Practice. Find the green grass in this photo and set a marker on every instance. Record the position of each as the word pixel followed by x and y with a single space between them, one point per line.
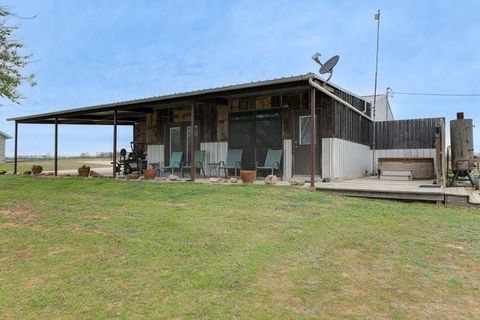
pixel 83 248
pixel 63 164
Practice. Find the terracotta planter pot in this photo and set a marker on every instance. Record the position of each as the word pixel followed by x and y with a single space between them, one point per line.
pixel 248 176
pixel 37 169
pixel 83 172
pixel 149 174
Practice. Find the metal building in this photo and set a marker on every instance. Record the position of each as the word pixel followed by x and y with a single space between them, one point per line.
pixel 324 131
pixel 3 138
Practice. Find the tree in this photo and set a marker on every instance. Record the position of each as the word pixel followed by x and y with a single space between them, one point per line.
pixel 12 62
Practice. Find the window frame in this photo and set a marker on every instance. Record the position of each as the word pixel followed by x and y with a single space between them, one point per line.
pixel 300 127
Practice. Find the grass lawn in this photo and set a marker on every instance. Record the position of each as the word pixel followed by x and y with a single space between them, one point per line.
pixel 63 164
pixel 83 248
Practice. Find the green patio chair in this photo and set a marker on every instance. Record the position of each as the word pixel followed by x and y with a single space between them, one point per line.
pixel 174 163
pixel 199 158
pixel 234 161
pixel 272 162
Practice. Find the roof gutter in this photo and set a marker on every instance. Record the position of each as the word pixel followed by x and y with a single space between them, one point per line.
pixel 331 95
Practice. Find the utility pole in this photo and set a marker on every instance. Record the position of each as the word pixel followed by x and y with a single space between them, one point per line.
pixel 376 17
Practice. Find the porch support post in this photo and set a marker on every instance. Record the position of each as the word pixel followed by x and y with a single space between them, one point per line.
pixel 114 154
pixel 312 137
pixel 192 142
pixel 15 159
pixel 55 159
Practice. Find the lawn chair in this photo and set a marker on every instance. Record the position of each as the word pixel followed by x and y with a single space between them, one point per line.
pixel 174 163
pixel 234 161
pixel 272 162
pixel 199 157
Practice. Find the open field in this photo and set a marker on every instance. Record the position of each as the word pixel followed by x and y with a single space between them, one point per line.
pixel 85 248
pixel 63 164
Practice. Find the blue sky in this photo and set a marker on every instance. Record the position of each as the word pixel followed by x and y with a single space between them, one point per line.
pixel 91 52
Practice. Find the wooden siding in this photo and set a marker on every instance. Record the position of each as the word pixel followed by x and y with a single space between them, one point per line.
pixel 358 103
pixel 140 132
pixel 349 125
pixel 222 123
pixel 208 123
pixel 335 120
pixel 407 134
pixel 338 121
pixel 323 103
pixel 181 115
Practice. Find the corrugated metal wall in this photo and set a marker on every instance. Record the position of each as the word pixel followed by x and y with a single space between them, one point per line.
pixel 287 159
pixel 342 159
pixel 2 150
pixel 214 152
pixel 155 153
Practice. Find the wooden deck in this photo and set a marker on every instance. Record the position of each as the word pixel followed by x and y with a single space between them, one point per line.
pixel 368 187
pixel 417 190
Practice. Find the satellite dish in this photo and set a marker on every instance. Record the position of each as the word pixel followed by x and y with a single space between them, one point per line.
pixel 328 66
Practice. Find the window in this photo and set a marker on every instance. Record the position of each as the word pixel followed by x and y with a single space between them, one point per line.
pixel 175 140
pixel 304 126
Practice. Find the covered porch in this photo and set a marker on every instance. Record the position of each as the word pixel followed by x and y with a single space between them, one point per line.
pixel 298 115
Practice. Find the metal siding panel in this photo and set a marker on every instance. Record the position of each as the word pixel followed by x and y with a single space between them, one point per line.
pixel 326 157
pixel 2 150
pixel 342 159
pixel 287 159
pixel 155 153
pixel 214 152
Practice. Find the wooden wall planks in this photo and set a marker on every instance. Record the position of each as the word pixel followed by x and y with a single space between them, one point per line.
pixel 407 134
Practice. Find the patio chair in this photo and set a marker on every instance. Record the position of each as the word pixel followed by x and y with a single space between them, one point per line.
pixel 234 161
pixel 199 158
pixel 174 163
pixel 272 162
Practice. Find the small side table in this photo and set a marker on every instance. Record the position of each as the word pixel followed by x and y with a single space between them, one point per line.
pixel 213 166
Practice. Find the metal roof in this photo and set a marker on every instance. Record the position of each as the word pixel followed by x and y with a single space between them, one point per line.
pixel 127 108
pixel 5 135
pixel 369 98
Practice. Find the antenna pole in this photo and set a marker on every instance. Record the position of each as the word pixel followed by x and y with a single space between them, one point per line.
pixel 376 17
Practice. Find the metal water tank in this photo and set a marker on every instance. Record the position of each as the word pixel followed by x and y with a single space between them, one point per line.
pixel 461 140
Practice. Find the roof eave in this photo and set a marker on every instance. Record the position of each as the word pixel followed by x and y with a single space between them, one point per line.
pixel 159 99
pixel 6 136
pixel 192 95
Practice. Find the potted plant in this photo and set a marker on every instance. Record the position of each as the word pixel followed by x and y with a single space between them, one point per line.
pixel 149 174
pixel 84 171
pixel 37 169
pixel 248 176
